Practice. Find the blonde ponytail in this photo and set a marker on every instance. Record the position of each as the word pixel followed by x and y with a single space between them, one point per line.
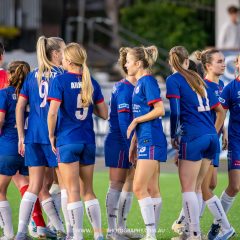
pixel 177 56
pixel 147 55
pixel 77 55
pixel 45 47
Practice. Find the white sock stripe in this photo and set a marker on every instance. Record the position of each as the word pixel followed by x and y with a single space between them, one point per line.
pixel 4 204
pixel 91 203
pixel 157 201
pixel 64 193
pixel 46 201
pixel 74 205
pixel 145 201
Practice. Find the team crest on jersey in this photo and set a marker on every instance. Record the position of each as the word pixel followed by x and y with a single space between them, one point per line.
pixel 137 89
pixel 14 96
pixel 143 149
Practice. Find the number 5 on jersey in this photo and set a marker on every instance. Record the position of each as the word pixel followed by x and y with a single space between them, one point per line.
pixel 81 112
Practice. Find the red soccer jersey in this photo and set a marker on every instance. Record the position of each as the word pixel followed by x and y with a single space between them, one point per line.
pixel 3 79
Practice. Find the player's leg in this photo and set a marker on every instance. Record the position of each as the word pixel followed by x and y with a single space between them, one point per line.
pixel 5 210
pixel 145 171
pixel 91 202
pixel 68 164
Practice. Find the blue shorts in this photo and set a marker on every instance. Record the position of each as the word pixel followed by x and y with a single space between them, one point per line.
pixel 82 153
pixel 37 155
pixel 152 152
pixel 9 165
pixel 116 155
pixel 215 161
pixel 196 148
pixel 233 159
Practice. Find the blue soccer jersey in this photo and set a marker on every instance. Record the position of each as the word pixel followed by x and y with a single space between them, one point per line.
pixel 217 89
pixel 8 135
pixel 146 93
pixel 120 115
pixel 36 94
pixel 195 114
pixel 230 99
pixel 75 123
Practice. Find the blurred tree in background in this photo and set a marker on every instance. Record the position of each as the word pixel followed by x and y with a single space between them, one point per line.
pixel 167 23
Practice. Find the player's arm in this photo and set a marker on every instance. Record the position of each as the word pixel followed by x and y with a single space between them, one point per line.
pixel 174 120
pixel 101 110
pixel 124 120
pixel 20 109
pixel 224 138
pixel 2 119
pixel 52 120
pixel 221 115
pixel 156 112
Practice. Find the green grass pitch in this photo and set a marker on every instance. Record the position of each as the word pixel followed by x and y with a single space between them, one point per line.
pixel 171 196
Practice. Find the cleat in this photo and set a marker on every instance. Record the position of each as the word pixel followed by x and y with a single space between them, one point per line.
pixel 178 228
pixel 183 236
pixel 32 229
pixel 149 238
pixel 22 236
pixel 226 235
pixel 45 232
pixel 100 238
pixel 115 236
pixel 129 234
pixel 195 238
pixel 61 235
pixel 214 231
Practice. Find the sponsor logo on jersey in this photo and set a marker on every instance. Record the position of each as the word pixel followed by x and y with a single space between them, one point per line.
pixel 136 108
pixel 143 149
pixel 123 105
pixel 221 100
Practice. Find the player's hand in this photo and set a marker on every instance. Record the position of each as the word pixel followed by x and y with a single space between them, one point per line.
pixel 175 143
pixel 133 150
pixel 176 160
pixel 21 147
pixel 133 156
pixel 53 144
pixel 224 141
pixel 131 127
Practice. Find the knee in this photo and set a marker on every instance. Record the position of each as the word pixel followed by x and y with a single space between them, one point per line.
pixel 87 194
pixel 117 185
pixel 34 188
pixel 139 190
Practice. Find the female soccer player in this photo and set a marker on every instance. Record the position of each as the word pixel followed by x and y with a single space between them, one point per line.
pixel 119 195
pixel 36 145
pixel 77 96
pixel 213 64
pixel 10 161
pixel 149 137
pixel 199 142
pixel 230 100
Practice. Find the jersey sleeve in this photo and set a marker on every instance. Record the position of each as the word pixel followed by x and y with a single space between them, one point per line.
pixel 213 99
pixel 173 88
pixel 225 97
pixel 3 101
pixel 152 91
pixel 97 94
pixel 174 116
pixel 56 91
pixel 25 88
pixel 124 102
